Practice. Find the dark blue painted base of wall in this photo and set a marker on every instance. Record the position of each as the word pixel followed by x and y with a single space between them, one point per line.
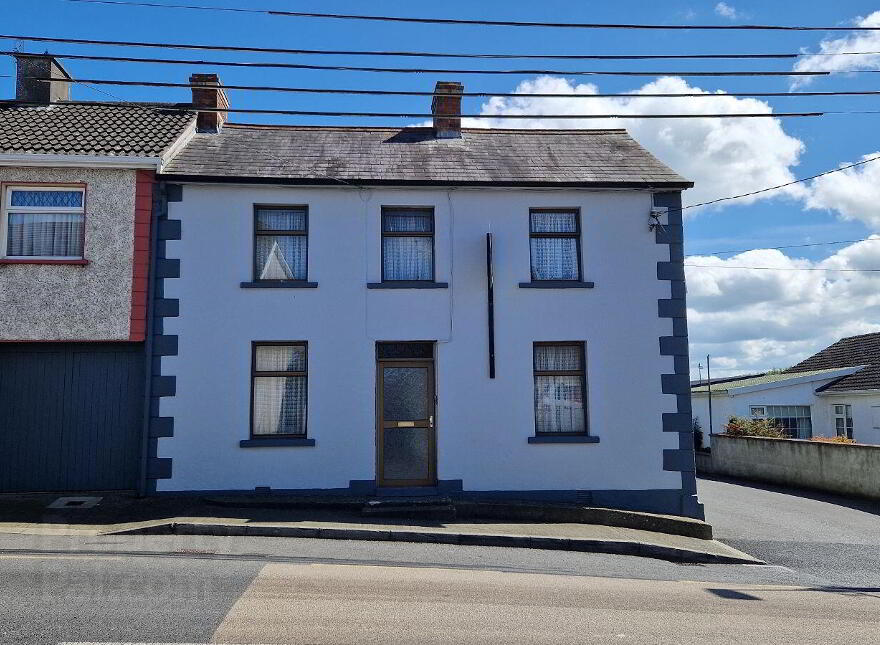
pixel 664 501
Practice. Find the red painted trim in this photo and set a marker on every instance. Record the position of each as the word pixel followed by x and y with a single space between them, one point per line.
pixel 143 211
pixel 64 340
pixel 81 263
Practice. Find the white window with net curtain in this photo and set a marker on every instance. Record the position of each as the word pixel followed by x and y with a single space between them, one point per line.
pixel 560 388
pixel 43 222
pixel 281 243
pixel 555 244
pixel 279 390
pixel 407 244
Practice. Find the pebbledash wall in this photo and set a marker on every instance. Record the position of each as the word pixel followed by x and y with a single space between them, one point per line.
pixel 104 300
pixel 632 322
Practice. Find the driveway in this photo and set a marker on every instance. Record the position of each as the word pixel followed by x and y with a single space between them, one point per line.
pixel 830 540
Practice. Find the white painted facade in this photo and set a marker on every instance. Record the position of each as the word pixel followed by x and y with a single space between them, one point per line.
pixel 797 391
pixel 482 424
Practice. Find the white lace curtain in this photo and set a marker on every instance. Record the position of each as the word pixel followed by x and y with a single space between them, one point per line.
pixel 44 235
pixel 406 257
pixel 554 258
pixel 281 257
pixel 559 399
pixel 280 401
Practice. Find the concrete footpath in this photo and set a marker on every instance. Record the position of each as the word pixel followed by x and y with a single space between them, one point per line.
pixel 120 515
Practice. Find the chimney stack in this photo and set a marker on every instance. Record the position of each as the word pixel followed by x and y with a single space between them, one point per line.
pixel 207 92
pixel 32 67
pixel 446 108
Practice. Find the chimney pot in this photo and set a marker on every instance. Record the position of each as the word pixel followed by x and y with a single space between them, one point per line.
pixel 446 109
pixel 30 68
pixel 207 92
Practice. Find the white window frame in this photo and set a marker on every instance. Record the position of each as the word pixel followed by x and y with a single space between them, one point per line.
pixel 845 415
pixel 761 415
pixel 7 207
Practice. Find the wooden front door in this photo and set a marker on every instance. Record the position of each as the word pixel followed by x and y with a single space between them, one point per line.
pixel 406 438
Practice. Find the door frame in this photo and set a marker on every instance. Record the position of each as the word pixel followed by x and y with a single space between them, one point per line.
pixel 428 363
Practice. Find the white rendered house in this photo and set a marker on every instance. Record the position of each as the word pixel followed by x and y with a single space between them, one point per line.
pixel 833 393
pixel 422 310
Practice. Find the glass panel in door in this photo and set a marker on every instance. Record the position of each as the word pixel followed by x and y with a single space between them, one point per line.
pixel 406 424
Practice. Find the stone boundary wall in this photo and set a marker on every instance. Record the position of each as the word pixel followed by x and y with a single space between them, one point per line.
pixel 847 469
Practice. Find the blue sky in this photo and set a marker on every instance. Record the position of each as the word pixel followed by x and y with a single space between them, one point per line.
pixel 826 142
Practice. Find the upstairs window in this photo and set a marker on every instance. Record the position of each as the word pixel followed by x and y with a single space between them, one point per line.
pixel 281 243
pixel 407 244
pixel 43 222
pixel 555 244
pixel 560 389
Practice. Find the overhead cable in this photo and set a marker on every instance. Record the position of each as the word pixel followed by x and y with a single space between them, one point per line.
pixel 419 70
pixel 770 188
pixel 791 246
pixel 316 90
pixel 422 54
pixel 461 21
pixel 712 266
pixel 423 115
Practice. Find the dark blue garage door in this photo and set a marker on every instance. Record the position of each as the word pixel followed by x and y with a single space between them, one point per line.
pixel 70 416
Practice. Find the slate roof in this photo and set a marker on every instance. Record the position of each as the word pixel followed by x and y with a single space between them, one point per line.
pixel 136 131
pixel 848 352
pixel 318 155
pixel 763 379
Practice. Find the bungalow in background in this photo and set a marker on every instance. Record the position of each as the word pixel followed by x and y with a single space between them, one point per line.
pixel 833 393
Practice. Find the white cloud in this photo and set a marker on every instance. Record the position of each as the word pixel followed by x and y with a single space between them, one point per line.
pixel 853 193
pixel 754 320
pixel 831 57
pixel 722 156
pixel 726 11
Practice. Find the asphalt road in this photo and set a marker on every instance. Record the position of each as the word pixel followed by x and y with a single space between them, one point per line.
pixel 825 539
pixel 821 586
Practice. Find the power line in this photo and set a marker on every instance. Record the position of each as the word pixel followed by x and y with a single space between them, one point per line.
pixel 315 90
pixel 419 70
pixel 423 54
pixel 459 21
pixel 790 183
pixel 792 246
pixel 710 266
pixel 423 115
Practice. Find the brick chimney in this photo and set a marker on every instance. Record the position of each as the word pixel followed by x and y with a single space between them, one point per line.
pixel 32 67
pixel 446 108
pixel 207 92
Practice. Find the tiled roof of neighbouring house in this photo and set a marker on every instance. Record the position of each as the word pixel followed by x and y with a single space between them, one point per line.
pixel 335 155
pixel 135 131
pixel 848 352
pixel 770 377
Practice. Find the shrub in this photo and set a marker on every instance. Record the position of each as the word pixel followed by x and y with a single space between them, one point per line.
pixel 833 439
pixel 698 435
pixel 740 427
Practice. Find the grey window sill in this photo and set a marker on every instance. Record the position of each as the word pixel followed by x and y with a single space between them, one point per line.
pixel 280 284
pixel 271 443
pixel 569 438
pixel 556 284
pixel 408 284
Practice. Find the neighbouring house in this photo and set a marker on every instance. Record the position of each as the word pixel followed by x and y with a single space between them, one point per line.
pixel 77 187
pixel 421 310
pixel 833 393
